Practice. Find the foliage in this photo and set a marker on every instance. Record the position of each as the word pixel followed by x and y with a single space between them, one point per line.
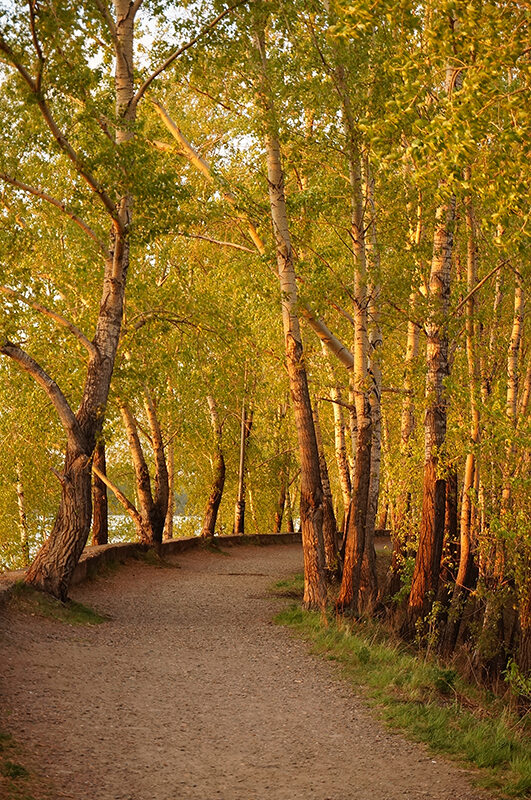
pixel 438 97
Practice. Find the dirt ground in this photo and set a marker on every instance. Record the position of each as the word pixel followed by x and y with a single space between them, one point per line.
pixel 190 692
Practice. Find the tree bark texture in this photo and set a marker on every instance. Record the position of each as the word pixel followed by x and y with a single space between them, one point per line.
pixel 170 512
pixel 311 501
pixel 100 516
pixel 369 576
pixel 341 452
pixel 151 520
pixel 246 424
pixel 330 540
pixel 218 474
pixel 161 494
pixel 22 517
pixel 427 564
pixel 54 565
pixel 467 572
pixel 348 599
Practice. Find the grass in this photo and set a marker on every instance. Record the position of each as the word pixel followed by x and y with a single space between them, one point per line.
pixel 424 698
pixel 16 782
pixel 30 601
pixel 153 559
pixel 211 546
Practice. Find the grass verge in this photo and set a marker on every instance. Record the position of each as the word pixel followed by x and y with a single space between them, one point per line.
pixel 424 698
pixel 30 601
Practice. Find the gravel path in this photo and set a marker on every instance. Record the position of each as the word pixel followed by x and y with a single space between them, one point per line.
pixel 191 693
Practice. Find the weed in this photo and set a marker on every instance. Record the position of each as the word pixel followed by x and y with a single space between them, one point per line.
pixel 291 587
pixel 14 771
pixel 6 741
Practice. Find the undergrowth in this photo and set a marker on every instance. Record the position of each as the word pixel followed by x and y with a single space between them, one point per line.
pixel 423 697
pixel 30 601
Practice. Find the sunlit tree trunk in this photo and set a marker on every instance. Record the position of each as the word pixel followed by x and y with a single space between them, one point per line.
pixel 100 516
pixel 279 510
pixel 311 501
pixel 151 527
pixel 494 566
pixel 283 465
pixel 348 599
pixel 329 519
pixel 246 424
pixel 290 527
pixel 428 560
pixel 341 452
pixel 218 473
pixel 369 576
pixel 22 517
pixel 467 528
pixel 54 565
pixel 170 512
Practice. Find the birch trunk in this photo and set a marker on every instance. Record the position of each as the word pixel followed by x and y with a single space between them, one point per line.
pixel 279 510
pixel 54 565
pixel 348 598
pixel 245 433
pixel 151 527
pixel 161 494
pixel 489 646
pixel 329 519
pixel 468 529
pixel 290 527
pixel 218 474
pixel 401 523
pixel 341 453
pixel 369 578
pixel 22 517
pixel 170 512
pixel 311 501
pixel 100 517
pixel 283 462
pixel 428 560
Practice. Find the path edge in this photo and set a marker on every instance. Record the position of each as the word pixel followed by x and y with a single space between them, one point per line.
pixel 95 557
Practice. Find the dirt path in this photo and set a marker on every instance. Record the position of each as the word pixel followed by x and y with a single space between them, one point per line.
pixel 190 693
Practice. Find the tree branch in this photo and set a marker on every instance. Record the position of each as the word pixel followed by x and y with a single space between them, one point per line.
pixel 147 83
pixel 65 323
pixel 136 5
pixel 42 195
pixel 327 337
pixel 36 43
pixel 61 405
pixel 216 241
pixel 58 135
pixel 204 167
pixel 479 285
pixel 104 11
pixel 120 496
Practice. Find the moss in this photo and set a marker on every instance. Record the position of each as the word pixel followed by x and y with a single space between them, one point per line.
pixel 30 601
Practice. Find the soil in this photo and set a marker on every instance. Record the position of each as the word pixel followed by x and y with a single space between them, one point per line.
pixel 190 692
